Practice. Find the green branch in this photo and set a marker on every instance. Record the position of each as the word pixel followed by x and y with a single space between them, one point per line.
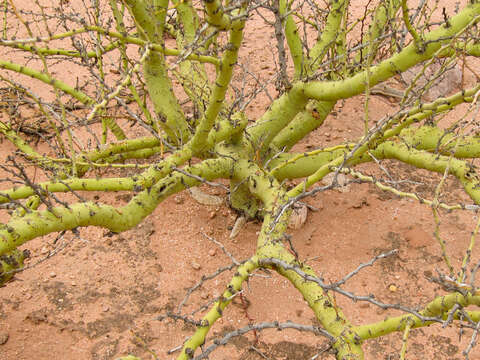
pixel 319 164
pixel 316 111
pixel 57 84
pixel 159 84
pixel 305 164
pixel 123 38
pixel 216 312
pixel 40 160
pixel 417 39
pixel 62 52
pixel 398 63
pixel 120 26
pixel 108 184
pixel 348 342
pixel 216 16
pixel 293 39
pixel 269 245
pixel 148 18
pixel 384 15
pixel 328 35
pixel 437 308
pixel 38 223
pixel 463 171
pixel 281 112
pixel 222 81
pixel 303 124
pixel 10 263
pixel 193 77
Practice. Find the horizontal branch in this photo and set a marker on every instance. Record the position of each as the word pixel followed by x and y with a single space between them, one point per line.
pixel 47 79
pixel 439 307
pixel 122 38
pixel 46 51
pixel 398 63
pixel 105 184
pixel 305 164
pixel 462 170
pixel 323 163
pixel 38 223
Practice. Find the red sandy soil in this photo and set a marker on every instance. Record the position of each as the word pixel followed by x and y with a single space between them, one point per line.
pixel 100 295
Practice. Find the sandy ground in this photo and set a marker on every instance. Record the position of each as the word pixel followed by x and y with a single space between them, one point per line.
pixel 100 296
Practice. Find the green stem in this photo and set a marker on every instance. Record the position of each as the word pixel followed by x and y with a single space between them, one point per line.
pixel 199 141
pixel 122 37
pixel 293 39
pixel 58 84
pixel 303 124
pixel 328 35
pixel 437 308
pixel 109 184
pixel 400 62
pixel 234 286
pixel 38 223
pixel 281 112
pixel 406 19
pixel 216 16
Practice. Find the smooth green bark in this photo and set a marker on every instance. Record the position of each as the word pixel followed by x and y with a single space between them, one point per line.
pixel 21 229
pixel 398 63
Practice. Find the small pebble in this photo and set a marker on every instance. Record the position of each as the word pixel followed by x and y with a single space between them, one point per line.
pixel 105 308
pixel 52 274
pixel 195 265
pixel 392 288
pixel 204 295
pixel 44 250
pixel 74 283
pixel 212 252
pixel 212 214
